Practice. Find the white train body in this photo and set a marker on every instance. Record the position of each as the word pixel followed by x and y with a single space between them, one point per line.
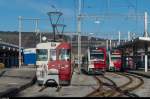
pixel 43 56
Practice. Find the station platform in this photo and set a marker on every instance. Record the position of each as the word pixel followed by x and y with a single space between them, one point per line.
pixel 141 72
pixel 13 80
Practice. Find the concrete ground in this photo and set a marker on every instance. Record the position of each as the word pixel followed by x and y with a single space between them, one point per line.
pixel 81 85
pixel 141 72
pixel 144 90
pixel 15 79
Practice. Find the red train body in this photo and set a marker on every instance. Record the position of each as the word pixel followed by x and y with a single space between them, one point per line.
pixel 115 61
pixel 62 63
pixel 94 61
pixel 54 62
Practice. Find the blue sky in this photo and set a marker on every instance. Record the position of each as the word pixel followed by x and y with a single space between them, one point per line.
pixel 108 27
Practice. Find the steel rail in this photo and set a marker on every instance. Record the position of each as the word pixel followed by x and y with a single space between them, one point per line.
pixel 98 89
pixel 141 82
pixel 122 90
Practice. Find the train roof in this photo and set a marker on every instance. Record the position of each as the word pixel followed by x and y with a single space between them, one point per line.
pixel 48 45
pixel 64 45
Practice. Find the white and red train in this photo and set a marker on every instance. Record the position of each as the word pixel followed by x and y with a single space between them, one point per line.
pixel 115 61
pixel 94 61
pixel 54 63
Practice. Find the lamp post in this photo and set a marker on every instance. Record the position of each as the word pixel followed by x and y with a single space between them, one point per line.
pixel 54 18
pixel 20 30
pixel 89 38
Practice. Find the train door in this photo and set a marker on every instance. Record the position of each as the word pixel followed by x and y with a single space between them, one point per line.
pixel 85 63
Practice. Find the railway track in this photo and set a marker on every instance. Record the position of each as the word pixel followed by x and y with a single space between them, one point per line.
pixel 98 90
pixel 114 90
pixel 127 89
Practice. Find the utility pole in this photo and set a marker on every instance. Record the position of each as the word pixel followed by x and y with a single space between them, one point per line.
pixel 107 45
pixel 146 45
pixel 40 34
pixel 145 25
pixel 128 35
pixel 79 36
pixel 40 37
pixel 36 25
pixel 110 44
pixel 20 30
pixel 119 38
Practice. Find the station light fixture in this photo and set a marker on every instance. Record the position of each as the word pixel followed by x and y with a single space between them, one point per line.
pixel 54 17
pixel 97 22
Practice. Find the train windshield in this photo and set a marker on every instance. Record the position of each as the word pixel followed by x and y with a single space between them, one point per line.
pixel 42 54
pixel 64 54
pixel 52 54
pixel 97 56
pixel 115 58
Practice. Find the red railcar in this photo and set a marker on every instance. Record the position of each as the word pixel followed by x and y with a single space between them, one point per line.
pixel 54 63
pixel 115 60
pixel 62 63
pixel 94 61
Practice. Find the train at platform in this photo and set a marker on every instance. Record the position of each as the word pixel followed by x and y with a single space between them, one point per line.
pixel 54 63
pixel 97 60
pixel 115 60
pixel 94 61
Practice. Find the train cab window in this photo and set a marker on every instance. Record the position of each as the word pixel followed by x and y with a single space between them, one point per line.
pixel 52 54
pixel 64 54
pixel 97 56
pixel 42 54
pixel 115 58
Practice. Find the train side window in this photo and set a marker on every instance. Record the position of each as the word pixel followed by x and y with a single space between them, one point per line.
pixel 52 54
pixel 42 54
pixel 65 54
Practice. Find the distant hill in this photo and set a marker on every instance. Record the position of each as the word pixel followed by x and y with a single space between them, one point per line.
pixel 30 39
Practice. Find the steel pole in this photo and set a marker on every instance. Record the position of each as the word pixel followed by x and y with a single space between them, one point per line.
pixel 36 25
pixel 119 37
pixel 128 35
pixel 54 26
pixel 40 37
pixel 110 45
pixel 145 25
pixel 107 45
pixel 79 36
pixel 20 30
